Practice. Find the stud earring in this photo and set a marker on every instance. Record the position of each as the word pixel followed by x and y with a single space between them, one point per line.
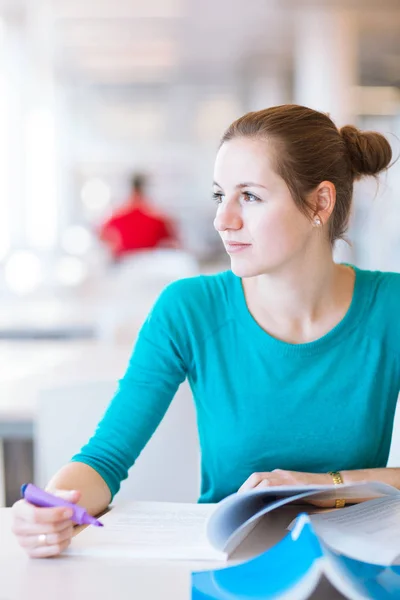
pixel 317 222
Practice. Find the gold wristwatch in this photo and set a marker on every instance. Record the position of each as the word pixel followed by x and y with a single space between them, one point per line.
pixel 337 480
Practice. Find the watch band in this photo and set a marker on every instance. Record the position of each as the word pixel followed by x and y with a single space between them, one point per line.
pixel 338 480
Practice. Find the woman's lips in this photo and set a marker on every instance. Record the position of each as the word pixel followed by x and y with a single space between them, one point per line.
pixel 233 247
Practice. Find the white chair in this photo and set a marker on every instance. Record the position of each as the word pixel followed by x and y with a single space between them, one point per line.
pixel 2 476
pixel 394 454
pixel 168 468
pixel 130 289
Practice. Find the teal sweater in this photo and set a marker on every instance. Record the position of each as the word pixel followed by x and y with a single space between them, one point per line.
pixel 261 403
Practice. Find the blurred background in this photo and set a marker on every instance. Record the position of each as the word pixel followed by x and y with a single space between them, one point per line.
pixel 94 93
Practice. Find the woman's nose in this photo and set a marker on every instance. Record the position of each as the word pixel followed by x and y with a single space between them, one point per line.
pixel 227 218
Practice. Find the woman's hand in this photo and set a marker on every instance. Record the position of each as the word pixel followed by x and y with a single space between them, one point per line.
pixel 281 477
pixel 44 532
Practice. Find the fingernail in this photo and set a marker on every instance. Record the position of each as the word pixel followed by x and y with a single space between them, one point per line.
pixel 67 514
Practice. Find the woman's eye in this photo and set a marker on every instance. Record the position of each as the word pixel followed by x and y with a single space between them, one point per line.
pixel 250 197
pixel 217 197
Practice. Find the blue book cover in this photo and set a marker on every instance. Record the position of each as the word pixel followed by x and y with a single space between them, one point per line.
pixel 292 570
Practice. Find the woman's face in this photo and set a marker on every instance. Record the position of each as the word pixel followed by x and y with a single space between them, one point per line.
pixel 257 219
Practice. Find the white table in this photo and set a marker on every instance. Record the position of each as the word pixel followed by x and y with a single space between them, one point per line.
pixel 77 578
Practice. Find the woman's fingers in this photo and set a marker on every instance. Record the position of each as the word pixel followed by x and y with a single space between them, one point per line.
pixel 47 539
pixel 69 495
pixel 253 481
pixel 264 483
pixel 271 478
pixel 48 551
pixel 33 514
pixel 44 532
pixel 21 527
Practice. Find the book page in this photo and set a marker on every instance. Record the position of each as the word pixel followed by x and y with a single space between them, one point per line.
pixel 150 530
pixel 235 516
pixel 369 532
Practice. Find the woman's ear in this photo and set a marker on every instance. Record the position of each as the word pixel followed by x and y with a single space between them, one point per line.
pixel 324 201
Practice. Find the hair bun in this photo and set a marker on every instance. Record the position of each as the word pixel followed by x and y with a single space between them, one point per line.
pixel 369 151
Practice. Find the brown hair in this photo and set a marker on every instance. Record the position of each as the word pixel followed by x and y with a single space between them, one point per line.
pixel 310 149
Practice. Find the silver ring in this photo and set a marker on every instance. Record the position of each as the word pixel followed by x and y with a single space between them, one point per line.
pixel 42 539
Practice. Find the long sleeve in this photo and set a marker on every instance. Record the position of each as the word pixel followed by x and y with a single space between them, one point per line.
pixel 261 403
pixel 157 367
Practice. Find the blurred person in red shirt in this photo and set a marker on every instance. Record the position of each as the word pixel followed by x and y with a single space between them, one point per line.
pixel 137 226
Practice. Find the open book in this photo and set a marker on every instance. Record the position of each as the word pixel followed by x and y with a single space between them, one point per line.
pixel 293 568
pixel 207 531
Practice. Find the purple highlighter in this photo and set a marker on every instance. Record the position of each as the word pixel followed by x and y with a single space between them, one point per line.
pixel 39 497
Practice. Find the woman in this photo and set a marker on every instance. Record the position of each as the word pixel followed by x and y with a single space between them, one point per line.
pixel 294 361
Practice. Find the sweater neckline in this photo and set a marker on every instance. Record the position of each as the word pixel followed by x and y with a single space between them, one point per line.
pixel 341 330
